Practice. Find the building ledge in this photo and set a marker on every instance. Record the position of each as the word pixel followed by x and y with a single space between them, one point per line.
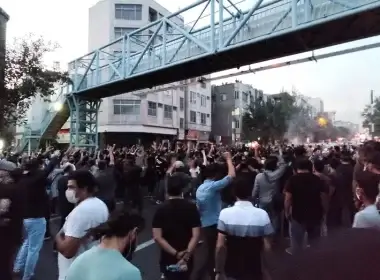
pixel 4 14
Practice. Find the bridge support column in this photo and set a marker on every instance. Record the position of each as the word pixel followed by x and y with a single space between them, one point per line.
pixel 83 122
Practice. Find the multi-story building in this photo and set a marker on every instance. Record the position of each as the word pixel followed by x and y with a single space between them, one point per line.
pixel 354 128
pixel 183 111
pixel 315 104
pixel 230 101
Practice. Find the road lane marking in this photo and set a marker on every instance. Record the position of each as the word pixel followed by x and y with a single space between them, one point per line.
pixel 144 245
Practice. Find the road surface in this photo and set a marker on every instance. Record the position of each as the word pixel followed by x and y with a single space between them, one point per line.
pixel 145 258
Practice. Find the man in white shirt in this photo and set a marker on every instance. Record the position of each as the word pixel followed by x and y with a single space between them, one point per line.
pixel 366 192
pixel 72 240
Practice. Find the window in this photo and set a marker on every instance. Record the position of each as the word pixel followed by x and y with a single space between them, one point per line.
pixel 152 109
pixel 237 124
pixel 181 103
pixel 236 94
pixel 121 31
pixel 193 97
pixel 203 85
pixel 245 97
pixel 203 118
pixel 168 112
pixel 128 11
pixel 193 117
pixel 203 101
pixel 126 107
pixel 223 97
pixel 169 29
pixel 153 15
pixel 181 123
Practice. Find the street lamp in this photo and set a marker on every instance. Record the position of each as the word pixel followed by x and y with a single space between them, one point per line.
pixel 1 144
pixel 57 106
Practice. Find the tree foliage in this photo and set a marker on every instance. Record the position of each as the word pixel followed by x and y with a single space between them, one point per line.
pixel 371 115
pixel 277 117
pixel 25 77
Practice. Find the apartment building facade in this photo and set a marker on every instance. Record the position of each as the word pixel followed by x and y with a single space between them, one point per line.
pixel 181 110
pixel 230 102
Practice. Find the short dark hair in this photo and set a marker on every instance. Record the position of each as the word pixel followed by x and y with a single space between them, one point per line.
pixel 334 163
pixel 175 185
pixel 304 164
pixel 319 165
pixel 84 179
pixel 242 188
pixel 369 182
pixel 119 224
pixel 271 163
pixel 211 171
pixel 102 164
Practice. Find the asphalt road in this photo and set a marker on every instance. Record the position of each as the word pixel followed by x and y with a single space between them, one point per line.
pixel 145 258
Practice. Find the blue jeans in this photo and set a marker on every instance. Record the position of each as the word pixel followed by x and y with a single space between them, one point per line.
pixel 29 252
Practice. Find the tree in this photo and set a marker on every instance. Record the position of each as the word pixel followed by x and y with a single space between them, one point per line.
pixel 25 77
pixel 371 115
pixel 278 116
pixel 343 132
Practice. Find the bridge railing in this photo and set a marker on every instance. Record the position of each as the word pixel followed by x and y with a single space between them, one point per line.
pixel 170 41
pixel 160 44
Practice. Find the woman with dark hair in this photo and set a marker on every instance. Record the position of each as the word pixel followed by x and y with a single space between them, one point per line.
pixel 108 260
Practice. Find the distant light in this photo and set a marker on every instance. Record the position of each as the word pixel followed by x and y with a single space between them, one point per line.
pixel 322 121
pixel 57 106
pixel 1 144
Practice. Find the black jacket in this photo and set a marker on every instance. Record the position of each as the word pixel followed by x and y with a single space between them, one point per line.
pixel 34 184
pixel 11 217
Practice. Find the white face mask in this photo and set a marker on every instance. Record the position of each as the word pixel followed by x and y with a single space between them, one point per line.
pixel 70 196
pixel 357 194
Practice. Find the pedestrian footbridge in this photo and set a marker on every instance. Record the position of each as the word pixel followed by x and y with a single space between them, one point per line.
pixel 167 51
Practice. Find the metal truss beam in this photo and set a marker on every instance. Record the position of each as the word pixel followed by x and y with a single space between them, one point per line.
pixel 102 67
pixel 246 18
pixel 191 29
pixel 83 121
pixel 221 34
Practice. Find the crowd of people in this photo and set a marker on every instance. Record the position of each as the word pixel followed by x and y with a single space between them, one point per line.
pixel 239 203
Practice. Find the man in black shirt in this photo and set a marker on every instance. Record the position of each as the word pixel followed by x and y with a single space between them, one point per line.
pixel 306 197
pixel 11 218
pixel 132 181
pixel 176 229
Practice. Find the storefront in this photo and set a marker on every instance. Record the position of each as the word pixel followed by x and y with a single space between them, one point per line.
pixel 196 135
